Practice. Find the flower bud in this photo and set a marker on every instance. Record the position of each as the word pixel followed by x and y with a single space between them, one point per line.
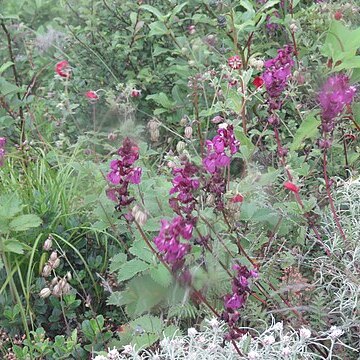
pixel 44 293
pixel 54 281
pixel 188 132
pixel 47 244
pixel 180 147
pixel 68 276
pixel 183 121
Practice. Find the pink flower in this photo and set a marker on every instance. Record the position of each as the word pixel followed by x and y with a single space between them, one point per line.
pixel 135 93
pixel 258 82
pixel 191 29
pixel 63 69
pixel 291 186
pixel 92 95
pixel 235 62
pixel 2 150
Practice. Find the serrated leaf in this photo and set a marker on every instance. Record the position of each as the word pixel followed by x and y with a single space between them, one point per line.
pixel 161 275
pixel 25 222
pixel 7 88
pixel 117 262
pixel 131 268
pixel 119 298
pixel 161 99
pixel 13 246
pixel 141 251
pixel 10 205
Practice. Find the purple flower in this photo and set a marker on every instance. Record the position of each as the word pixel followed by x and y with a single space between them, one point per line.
pixel 334 95
pixel 185 185
pixel 169 242
pixel 278 71
pixel 122 173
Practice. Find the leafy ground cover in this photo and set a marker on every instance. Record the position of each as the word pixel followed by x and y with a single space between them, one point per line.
pixel 179 179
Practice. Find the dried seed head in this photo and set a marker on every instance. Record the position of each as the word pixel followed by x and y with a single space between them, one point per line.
pixel 45 292
pixel 57 290
pixel 188 132
pixel 56 263
pixel 48 244
pixel 54 281
pixel 139 214
pixel 53 256
pixel 46 270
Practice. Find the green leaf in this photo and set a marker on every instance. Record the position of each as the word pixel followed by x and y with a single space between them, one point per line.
pixel 25 222
pixel 153 10
pixel 158 28
pixel 161 99
pixel 161 275
pixel 10 205
pixel 13 246
pixel 117 262
pixel 131 268
pixel 142 251
pixel 148 323
pixel 308 130
pixel 5 66
pixel 7 88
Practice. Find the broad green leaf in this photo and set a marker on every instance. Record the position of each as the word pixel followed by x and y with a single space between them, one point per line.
pixel 153 10
pixel 10 205
pixel 7 88
pixel 141 251
pixel 308 130
pixel 158 28
pixel 117 262
pixel 25 222
pixel 131 268
pixel 161 275
pixel 161 99
pixel 148 323
pixel 12 246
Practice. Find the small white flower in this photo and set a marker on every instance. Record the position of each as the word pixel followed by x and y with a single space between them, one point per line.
pixel 128 349
pixel 214 323
pixel 278 326
pixel 305 333
pixel 192 332
pixel 268 340
pixel 113 354
pixel 100 357
pixel 253 355
pixel 286 351
pixel 335 332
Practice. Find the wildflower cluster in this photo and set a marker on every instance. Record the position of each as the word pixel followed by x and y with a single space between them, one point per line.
pixel 334 96
pixel 219 152
pixel 185 183
pixel 236 300
pixel 169 241
pixel 276 75
pixel 2 150
pixel 123 173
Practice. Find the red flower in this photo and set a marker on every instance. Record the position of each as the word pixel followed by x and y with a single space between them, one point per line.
pixel 338 15
pixel 92 95
pixel 62 68
pixel 258 81
pixel 135 93
pixel 234 62
pixel 291 186
pixel 238 198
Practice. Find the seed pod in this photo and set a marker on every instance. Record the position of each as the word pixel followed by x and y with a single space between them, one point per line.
pixel 44 293
pixel 180 147
pixel 68 276
pixel 54 281
pixel 56 263
pixel 154 135
pixel 53 256
pixel 47 244
pixel 57 290
pixel 188 132
pixel 46 270
pixel 183 121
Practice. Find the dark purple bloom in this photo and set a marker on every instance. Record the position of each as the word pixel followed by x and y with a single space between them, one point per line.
pixel 333 97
